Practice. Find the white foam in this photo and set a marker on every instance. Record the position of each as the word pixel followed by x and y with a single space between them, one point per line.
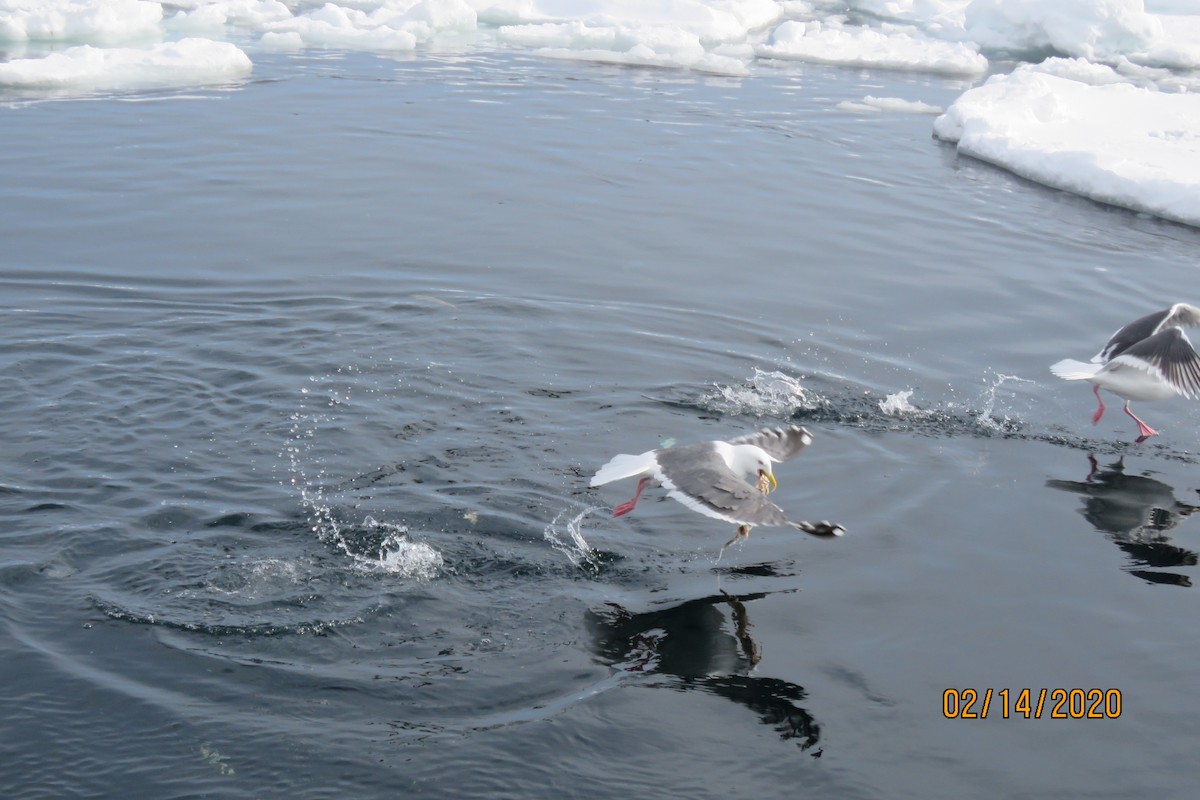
pixel 1115 143
pixel 765 394
pixel 398 555
pixel 897 405
pixel 405 558
pixel 189 62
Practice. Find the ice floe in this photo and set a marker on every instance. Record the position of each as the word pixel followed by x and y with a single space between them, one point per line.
pixel 888 47
pixel 1104 138
pixel 1098 99
pixel 188 62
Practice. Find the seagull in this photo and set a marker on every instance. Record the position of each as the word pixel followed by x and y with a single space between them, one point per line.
pixel 1149 359
pixel 709 477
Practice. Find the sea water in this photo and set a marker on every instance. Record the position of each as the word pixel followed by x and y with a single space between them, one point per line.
pixel 305 379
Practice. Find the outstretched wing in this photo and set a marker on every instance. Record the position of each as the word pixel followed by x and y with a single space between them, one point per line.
pixel 780 443
pixel 1171 356
pixel 1180 314
pixel 698 477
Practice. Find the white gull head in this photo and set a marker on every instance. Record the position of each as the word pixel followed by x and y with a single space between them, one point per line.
pixel 744 459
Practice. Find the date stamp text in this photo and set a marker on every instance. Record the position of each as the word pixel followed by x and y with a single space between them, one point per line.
pixel 1031 703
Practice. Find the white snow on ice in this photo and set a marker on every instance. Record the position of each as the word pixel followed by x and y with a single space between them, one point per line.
pixel 1111 115
pixel 888 47
pixel 875 104
pixel 186 62
pixel 1105 139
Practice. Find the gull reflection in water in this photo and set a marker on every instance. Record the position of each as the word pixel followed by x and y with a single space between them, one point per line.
pixel 691 644
pixel 1135 512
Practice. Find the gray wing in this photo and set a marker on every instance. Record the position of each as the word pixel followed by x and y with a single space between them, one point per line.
pixel 780 443
pixel 723 495
pixel 1172 355
pixel 1147 326
pixel 697 477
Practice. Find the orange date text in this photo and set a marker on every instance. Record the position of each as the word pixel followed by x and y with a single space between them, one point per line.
pixel 1031 703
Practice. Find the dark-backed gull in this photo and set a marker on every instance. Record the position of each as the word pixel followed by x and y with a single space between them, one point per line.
pixel 710 478
pixel 1149 359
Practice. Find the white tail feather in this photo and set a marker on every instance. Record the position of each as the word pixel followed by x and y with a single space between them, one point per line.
pixel 1071 370
pixel 624 466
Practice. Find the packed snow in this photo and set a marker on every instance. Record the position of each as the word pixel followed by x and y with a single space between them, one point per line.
pixel 1105 139
pixel 170 64
pixel 1094 96
pixel 888 47
pixel 873 104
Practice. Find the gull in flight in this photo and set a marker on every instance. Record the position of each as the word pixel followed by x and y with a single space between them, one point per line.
pixel 710 478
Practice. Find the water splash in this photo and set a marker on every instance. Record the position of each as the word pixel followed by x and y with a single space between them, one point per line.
pixel 897 405
pixel 397 554
pixel 371 545
pixel 765 394
pixel 302 433
pixel 567 537
pixel 987 419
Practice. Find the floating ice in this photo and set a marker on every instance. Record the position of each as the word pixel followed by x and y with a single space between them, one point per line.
pixel 643 56
pixel 189 62
pixel 709 21
pixel 890 47
pixel 1045 127
pixel 379 26
pixel 1157 32
pixel 1089 28
pixel 95 22
pixel 874 104
pixel 662 33
pixel 1114 143
pixel 213 17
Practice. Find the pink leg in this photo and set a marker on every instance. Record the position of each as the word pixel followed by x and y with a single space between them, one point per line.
pixel 1099 411
pixel 1145 430
pixel 625 508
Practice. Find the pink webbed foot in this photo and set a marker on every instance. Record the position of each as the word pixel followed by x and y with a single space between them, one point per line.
pixel 1144 430
pixel 622 509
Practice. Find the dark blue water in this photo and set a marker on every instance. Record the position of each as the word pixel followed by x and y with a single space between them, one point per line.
pixel 304 382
